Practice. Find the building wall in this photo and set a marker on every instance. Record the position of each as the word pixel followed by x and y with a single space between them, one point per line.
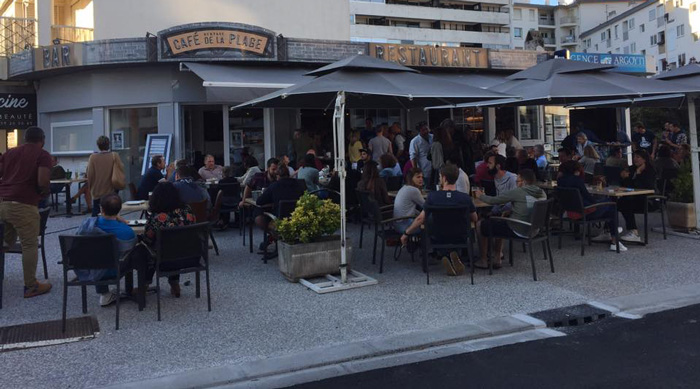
pixel 319 19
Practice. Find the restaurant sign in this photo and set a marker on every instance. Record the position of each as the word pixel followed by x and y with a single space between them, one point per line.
pixel 17 111
pixel 415 55
pixel 625 63
pixel 58 56
pixel 217 40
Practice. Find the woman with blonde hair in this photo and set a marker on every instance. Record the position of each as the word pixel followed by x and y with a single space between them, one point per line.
pixel 589 159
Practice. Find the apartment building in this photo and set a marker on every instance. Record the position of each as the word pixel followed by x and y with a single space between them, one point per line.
pixel 451 23
pixel 667 30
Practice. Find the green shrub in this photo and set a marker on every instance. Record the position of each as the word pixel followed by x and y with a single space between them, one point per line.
pixel 311 219
pixel 683 185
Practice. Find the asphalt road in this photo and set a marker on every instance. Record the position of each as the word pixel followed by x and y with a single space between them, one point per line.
pixel 661 350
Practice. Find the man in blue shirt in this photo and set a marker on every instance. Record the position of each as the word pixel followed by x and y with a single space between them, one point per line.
pixel 188 189
pixel 109 222
pixel 151 178
pixel 448 196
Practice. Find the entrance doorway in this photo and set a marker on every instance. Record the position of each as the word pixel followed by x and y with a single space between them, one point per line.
pixel 129 128
pixel 203 127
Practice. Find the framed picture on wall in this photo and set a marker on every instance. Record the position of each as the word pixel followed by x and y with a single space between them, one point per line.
pixel 117 140
pixel 525 132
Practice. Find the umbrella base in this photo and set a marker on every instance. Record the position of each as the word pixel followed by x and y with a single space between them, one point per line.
pixel 334 284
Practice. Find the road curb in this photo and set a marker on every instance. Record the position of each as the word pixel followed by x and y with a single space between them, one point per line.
pixel 637 305
pixel 340 354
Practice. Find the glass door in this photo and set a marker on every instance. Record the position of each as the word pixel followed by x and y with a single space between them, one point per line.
pixel 129 128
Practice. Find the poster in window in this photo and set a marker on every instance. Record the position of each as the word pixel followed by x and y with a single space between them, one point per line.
pixel 156 144
pixel 559 120
pixel 525 132
pixel 237 138
pixel 560 133
pixel 117 140
pixel 549 129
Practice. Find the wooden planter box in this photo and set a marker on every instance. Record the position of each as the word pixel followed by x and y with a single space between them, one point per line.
pixel 308 260
pixel 681 216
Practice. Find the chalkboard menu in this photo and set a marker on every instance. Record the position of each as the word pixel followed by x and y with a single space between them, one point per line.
pixel 156 144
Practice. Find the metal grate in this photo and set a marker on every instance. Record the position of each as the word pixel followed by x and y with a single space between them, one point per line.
pixel 575 315
pixel 47 333
pixel 16 35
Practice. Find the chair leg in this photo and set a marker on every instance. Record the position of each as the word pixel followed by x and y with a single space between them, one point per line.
pixel 471 261
pixel 544 250
pixel 381 259
pixel 206 274
pixel 118 298
pixel 489 257
pixel 646 221
pixel 362 231
pixel 510 252
pixel 83 292
pixel 524 247
pixel 551 258
pixel 663 219
pixel 197 285
pixel 158 292
pixel 213 242
pixel 590 242
pixel 374 251
pixel 583 238
pixel 425 260
pixel 43 259
pixel 65 302
pixel 561 226
pixel 532 262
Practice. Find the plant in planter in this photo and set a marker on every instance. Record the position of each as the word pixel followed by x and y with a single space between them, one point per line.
pixel 680 207
pixel 308 247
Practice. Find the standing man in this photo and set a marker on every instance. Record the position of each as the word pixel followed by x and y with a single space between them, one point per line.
pixel 100 169
pixel 368 132
pixel 211 169
pixel 398 143
pixel 24 180
pixel 643 139
pixel 153 175
pixel 676 137
pixel 419 149
pixel 380 145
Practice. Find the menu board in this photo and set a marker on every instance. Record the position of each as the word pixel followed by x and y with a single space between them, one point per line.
pixel 156 144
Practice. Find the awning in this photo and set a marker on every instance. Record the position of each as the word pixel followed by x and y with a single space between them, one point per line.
pixel 675 100
pixel 472 79
pixel 237 84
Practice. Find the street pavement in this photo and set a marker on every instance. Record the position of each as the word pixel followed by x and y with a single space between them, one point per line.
pixel 258 315
pixel 661 350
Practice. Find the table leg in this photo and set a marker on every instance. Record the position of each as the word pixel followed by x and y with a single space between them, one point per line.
pixel 250 235
pixel 646 220
pixel 69 206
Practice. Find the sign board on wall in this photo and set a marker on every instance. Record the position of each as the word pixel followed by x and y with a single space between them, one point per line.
pixel 217 40
pixel 156 144
pixel 17 110
pixel 625 63
pixel 58 56
pixel 414 55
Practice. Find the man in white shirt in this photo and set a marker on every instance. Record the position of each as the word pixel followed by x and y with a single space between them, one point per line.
pixel 379 145
pixel 419 149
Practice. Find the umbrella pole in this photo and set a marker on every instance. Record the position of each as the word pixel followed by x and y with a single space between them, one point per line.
pixel 339 142
pixel 693 132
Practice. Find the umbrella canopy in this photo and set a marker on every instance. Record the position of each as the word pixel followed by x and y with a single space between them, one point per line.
pixel 371 82
pixel 688 73
pixel 563 82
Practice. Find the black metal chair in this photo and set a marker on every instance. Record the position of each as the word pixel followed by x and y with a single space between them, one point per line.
pixel 182 250
pixel 538 232
pixel 393 183
pixel 202 214
pixel 664 187
pixel 89 252
pixel 16 248
pixel 283 210
pixel 231 198
pixel 383 225
pixel 447 228
pixel 331 194
pixel 571 201
pixel 366 216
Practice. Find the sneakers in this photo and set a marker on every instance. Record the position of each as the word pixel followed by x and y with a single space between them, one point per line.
pixel 631 236
pixel 613 247
pixel 107 298
pixel 603 237
pixel 36 290
pixel 457 263
pixel 447 263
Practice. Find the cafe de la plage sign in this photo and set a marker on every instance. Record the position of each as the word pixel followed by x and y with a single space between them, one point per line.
pixel 217 40
pixel 432 56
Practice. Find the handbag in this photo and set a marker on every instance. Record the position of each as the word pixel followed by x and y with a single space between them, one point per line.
pixel 118 176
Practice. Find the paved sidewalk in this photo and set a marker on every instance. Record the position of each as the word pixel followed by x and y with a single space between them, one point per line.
pixel 257 314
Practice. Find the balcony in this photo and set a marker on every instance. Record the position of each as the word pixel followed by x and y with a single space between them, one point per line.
pixel 568 20
pixel 546 22
pixel 71 33
pixel 568 40
pixel 549 41
pixel 17 34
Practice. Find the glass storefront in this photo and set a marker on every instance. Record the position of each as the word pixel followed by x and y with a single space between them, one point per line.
pixel 246 131
pixel 129 128
pixel 529 124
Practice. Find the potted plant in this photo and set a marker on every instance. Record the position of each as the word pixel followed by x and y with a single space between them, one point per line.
pixel 680 206
pixel 308 246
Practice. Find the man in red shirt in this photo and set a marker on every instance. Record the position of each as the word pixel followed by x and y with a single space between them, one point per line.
pixel 24 180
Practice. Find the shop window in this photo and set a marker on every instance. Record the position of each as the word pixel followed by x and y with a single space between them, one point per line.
pixel 529 123
pixel 246 131
pixel 72 137
pixel 129 128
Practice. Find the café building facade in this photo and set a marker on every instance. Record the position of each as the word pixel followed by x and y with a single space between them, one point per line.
pixel 183 80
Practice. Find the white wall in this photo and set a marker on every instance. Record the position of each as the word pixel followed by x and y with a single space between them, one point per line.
pixel 314 19
pixel 429 35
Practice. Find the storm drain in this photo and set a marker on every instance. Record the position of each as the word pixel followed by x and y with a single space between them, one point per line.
pixel 47 333
pixel 572 316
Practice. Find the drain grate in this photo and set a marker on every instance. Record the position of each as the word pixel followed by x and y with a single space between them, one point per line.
pixel 572 316
pixel 47 333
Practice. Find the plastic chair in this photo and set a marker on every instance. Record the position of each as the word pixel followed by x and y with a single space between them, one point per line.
pixel 182 250
pixel 447 228
pixel 538 232
pixel 571 201
pixel 16 248
pixel 89 252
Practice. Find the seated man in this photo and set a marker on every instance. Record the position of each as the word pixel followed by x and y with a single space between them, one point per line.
pixel 524 161
pixel 210 169
pixel 284 188
pixel 188 189
pixel 109 222
pixel 615 159
pixel 261 180
pixel 448 196
pixel 522 199
pixel 151 178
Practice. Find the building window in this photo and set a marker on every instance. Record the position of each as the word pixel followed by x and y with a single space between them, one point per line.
pixel 518 32
pixel 532 15
pixel 631 24
pixel 133 126
pixel 626 50
pixel 72 137
pixel 633 48
pixel 596 47
pixel 681 59
pixel 643 52
pixel 529 123
pixel 693 7
pixel 653 40
pixel 617 36
pixel 517 14
pixel 680 30
pixel 652 14
pixel 641 27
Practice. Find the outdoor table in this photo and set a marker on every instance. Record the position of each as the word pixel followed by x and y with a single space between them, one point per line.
pixel 615 193
pixel 129 208
pixel 249 203
pixel 477 203
pixel 67 183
